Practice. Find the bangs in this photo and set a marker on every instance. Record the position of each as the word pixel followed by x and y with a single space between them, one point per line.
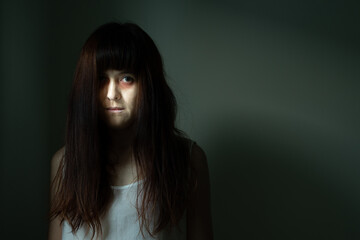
pixel 118 50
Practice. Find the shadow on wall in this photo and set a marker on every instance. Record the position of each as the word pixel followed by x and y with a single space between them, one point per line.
pixel 282 181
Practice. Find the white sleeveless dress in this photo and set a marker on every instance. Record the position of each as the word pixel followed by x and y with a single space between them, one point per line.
pixel 121 222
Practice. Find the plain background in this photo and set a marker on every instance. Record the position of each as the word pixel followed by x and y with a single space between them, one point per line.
pixel 269 89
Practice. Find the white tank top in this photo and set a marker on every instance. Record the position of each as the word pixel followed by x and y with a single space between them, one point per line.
pixel 121 221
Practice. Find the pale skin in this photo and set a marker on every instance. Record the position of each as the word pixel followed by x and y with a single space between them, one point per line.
pixel 118 101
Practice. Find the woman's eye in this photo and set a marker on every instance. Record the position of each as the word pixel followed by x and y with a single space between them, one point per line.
pixel 128 79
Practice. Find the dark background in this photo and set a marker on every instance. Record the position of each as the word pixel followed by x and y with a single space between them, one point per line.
pixel 269 89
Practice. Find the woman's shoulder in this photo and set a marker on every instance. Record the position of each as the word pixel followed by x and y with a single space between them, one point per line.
pixel 56 160
pixel 198 157
pixel 59 154
pixel 199 223
pixel 196 153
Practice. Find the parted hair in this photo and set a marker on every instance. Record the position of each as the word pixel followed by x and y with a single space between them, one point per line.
pixel 82 188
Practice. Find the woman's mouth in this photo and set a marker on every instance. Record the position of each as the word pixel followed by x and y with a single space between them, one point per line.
pixel 114 109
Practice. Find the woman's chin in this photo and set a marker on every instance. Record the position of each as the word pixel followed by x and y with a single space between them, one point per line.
pixel 119 125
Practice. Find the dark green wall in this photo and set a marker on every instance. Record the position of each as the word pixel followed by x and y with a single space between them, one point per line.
pixel 269 89
pixel 24 147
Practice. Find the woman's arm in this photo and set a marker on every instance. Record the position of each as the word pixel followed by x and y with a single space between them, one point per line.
pixel 199 223
pixel 55 228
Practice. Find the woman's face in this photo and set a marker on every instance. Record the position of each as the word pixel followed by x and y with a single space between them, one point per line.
pixel 118 91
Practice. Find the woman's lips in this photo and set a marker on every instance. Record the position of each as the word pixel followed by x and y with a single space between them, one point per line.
pixel 114 109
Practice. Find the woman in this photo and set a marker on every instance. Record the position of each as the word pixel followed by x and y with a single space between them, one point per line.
pixel 125 171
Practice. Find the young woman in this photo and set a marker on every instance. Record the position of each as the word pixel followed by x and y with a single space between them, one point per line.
pixel 126 171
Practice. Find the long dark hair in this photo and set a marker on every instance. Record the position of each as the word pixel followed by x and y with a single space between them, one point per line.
pixel 161 151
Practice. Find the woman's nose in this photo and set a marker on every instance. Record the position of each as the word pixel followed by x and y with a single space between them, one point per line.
pixel 112 92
